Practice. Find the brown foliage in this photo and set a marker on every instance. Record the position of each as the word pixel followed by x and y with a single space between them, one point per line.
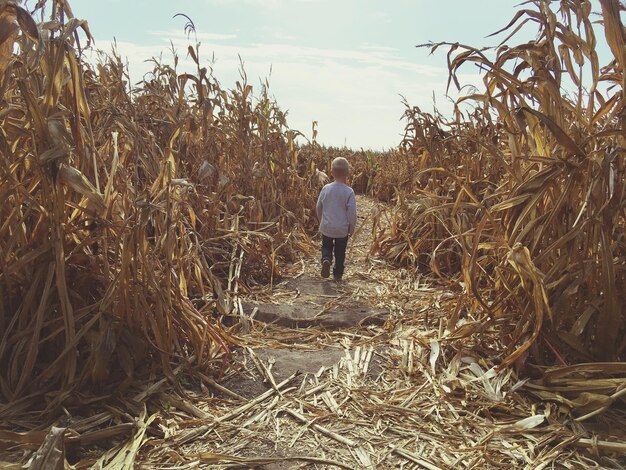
pixel 126 212
pixel 521 200
pixel 369 171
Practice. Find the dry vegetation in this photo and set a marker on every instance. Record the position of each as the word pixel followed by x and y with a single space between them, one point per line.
pixel 135 218
pixel 121 201
pixel 370 174
pixel 520 198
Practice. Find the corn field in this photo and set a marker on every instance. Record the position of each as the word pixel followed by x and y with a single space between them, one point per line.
pixel 370 173
pixel 519 198
pixel 120 200
pixel 136 218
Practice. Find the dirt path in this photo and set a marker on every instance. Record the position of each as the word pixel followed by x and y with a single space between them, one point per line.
pixel 357 375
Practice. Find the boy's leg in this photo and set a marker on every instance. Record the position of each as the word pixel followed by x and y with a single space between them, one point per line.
pixel 327 255
pixel 340 256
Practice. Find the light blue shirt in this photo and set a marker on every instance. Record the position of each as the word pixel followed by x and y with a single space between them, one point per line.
pixel 336 210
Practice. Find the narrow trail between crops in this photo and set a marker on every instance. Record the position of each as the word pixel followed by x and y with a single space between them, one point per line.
pixel 356 375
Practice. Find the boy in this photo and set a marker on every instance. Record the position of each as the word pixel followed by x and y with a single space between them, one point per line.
pixel 336 211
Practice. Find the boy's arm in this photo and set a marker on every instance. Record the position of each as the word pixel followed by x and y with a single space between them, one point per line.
pixel 351 214
pixel 318 207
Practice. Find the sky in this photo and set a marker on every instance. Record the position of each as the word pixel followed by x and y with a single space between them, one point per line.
pixel 343 63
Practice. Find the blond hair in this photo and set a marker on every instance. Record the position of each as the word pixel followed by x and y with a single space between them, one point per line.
pixel 341 164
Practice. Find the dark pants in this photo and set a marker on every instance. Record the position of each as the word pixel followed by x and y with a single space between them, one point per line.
pixel 338 247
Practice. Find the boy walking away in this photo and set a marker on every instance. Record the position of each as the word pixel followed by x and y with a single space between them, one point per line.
pixel 336 211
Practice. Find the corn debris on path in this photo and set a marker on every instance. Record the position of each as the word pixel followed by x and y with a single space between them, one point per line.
pixel 386 395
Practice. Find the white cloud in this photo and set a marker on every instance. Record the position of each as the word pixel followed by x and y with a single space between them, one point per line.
pixel 202 37
pixel 260 3
pixel 353 94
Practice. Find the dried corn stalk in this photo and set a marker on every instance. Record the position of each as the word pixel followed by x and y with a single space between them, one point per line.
pixel 122 213
pixel 520 197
